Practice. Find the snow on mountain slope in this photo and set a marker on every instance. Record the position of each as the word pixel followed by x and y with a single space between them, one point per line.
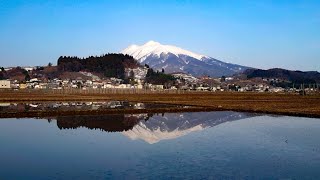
pixel 151 136
pixel 171 126
pixel 155 48
pixel 175 59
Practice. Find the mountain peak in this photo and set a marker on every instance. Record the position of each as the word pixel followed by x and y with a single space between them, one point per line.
pixel 151 43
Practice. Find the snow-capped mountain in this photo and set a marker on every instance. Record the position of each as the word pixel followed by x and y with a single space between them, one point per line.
pixel 174 125
pixel 175 59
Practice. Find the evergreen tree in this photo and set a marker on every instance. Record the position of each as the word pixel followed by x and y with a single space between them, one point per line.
pixel 27 77
pixel 223 79
pixel 131 75
pixel 1 75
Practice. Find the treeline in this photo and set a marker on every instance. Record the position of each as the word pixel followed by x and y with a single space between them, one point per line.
pixel 156 77
pixel 17 72
pixel 111 65
pixel 2 73
pixel 108 123
pixel 297 77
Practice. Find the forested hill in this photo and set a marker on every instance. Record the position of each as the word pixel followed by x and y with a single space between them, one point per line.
pixel 111 65
pixel 283 74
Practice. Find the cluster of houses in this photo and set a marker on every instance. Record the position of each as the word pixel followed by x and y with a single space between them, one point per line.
pixel 94 82
pixel 114 83
pixel 68 84
pixel 193 84
pixel 184 81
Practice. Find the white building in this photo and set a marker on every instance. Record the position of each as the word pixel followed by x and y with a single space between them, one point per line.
pixel 139 73
pixel 139 86
pixel 5 84
pixel 189 78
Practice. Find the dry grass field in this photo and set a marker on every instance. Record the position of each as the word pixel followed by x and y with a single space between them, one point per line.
pixel 284 104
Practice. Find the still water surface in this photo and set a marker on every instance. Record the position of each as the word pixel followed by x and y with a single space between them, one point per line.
pixel 202 145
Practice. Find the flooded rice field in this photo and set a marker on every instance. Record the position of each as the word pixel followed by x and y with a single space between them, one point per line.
pixel 194 145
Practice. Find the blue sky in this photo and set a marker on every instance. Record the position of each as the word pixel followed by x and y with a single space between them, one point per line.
pixel 262 34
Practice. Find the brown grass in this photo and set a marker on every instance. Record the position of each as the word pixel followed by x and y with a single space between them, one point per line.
pixel 285 104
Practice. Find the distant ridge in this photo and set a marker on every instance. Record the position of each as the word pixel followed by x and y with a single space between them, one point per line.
pixel 287 75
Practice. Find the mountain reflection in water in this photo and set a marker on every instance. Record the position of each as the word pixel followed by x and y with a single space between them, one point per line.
pixel 152 128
